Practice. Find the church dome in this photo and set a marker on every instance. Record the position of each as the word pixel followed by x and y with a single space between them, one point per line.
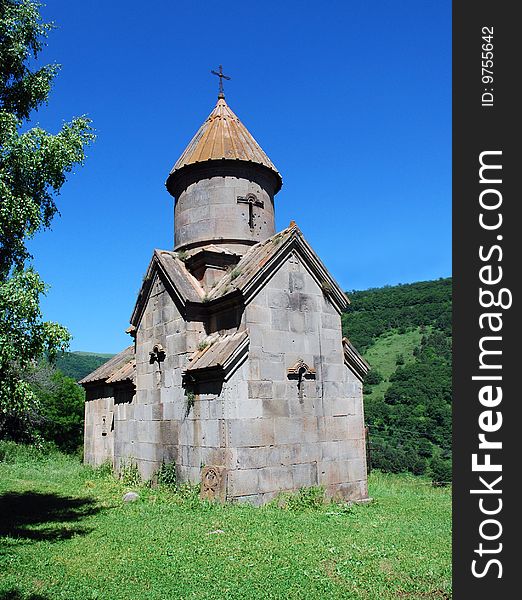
pixel 222 137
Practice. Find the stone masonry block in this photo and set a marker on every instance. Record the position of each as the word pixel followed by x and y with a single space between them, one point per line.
pixel 169 432
pixel 271 407
pixel 310 452
pixel 328 473
pixel 148 451
pixel 355 428
pixel 280 319
pixel 254 368
pixel 157 412
pixel 243 482
pixel 288 430
pixel 260 389
pixel 297 322
pixel 274 341
pixel 271 371
pixel 278 299
pixel 332 372
pixel 330 451
pixel 329 321
pixel 210 433
pixel 304 475
pixel 258 314
pixel 310 430
pixel 275 479
pixel 251 432
pixel 351 449
pixel 251 458
pixel 289 454
pixel 251 408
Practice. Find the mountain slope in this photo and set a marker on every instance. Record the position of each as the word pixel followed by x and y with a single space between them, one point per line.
pixel 79 364
pixel 404 332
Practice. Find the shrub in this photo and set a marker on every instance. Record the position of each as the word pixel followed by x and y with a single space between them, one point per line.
pixel 104 470
pixel 167 474
pixel 441 471
pixel 13 452
pixel 373 377
pixel 129 473
pixel 307 498
pixel 399 360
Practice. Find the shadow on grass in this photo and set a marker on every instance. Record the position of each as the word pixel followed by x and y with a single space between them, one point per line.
pixel 36 516
pixel 17 595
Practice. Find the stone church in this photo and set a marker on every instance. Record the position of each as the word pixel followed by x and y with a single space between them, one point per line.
pixel 238 372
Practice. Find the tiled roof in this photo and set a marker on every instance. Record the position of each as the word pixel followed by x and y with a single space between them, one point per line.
pixel 125 373
pixel 177 273
pixel 267 255
pixel 251 272
pixel 223 136
pixel 184 285
pixel 219 352
pixel 250 264
pixel 121 365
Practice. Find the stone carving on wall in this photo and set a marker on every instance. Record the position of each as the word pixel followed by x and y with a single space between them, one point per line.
pixel 157 354
pixel 213 483
pixel 301 371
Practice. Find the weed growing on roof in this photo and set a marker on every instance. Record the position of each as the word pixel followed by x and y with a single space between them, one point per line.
pixel 235 273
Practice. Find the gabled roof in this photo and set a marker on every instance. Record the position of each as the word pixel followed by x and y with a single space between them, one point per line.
pixel 120 367
pixel 223 136
pixel 181 282
pixel 222 353
pixel 243 281
pixel 262 260
pixel 354 360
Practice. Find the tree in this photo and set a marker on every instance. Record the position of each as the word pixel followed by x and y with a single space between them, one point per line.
pixel 60 419
pixel 33 168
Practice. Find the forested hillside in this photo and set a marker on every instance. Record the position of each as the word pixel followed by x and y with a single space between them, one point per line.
pixel 404 332
pixel 79 364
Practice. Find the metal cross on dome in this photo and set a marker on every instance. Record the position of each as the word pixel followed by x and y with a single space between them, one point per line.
pixel 221 77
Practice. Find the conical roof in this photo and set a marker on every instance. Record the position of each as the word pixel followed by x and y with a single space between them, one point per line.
pixel 223 136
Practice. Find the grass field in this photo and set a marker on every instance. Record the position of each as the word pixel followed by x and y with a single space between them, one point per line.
pixel 65 533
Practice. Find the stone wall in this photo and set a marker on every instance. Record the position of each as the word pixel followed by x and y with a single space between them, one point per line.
pixel 168 422
pixel 269 429
pixel 283 438
pixel 99 432
pixel 207 211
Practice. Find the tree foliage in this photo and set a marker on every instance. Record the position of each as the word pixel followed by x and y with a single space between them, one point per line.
pixel 33 167
pixel 60 418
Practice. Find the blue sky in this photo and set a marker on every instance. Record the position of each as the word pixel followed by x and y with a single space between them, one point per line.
pixel 351 101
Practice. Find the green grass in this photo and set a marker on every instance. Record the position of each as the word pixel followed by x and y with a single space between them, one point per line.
pixel 382 356
pixel 66 534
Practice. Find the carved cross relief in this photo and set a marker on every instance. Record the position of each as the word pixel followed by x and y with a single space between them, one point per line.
pixel 157 355
pixel 252 200
pixel 301 371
